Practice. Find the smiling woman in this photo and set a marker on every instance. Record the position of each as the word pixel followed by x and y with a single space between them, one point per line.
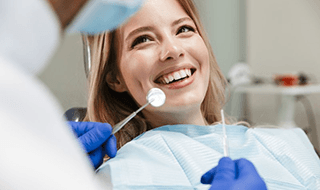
pixel 164 46
pixel 170 147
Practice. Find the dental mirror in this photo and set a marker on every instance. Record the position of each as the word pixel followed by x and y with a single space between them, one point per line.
pixel 155 97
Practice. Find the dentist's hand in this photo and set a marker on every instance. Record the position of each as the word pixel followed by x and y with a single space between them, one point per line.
pixel 96 139
pixel 234 175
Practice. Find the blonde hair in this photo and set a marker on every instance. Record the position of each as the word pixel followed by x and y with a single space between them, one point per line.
pixel 106 105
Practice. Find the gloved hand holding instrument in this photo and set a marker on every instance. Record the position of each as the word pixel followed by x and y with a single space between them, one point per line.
pixel 96 139
pixel 234 175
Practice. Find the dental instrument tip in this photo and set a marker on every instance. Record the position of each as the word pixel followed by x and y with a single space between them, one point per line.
pixel 156 97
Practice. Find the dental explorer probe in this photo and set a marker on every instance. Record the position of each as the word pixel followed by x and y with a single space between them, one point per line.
pixel 225 138
pixel 155 97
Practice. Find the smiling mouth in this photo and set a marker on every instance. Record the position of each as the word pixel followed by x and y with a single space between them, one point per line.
pixel 175 76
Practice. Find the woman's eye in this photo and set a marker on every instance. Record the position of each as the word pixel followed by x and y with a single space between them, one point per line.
pixel 139 40
pixel 184 29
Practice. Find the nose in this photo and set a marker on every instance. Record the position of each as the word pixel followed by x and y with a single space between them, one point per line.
pixel 171 49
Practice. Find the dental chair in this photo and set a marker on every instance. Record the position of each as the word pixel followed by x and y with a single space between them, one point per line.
pixel 78 113
pixel 75 114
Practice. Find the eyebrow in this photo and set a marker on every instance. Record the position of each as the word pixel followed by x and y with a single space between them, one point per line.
pixel 148 28
pixel 181 20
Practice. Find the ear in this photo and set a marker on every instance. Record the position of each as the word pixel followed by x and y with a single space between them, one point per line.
pixel 117 84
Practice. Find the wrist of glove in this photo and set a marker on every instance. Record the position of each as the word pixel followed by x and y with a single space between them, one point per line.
pixel 234 175
pixel 96 139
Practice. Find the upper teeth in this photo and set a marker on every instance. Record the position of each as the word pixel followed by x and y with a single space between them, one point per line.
pixel 175 76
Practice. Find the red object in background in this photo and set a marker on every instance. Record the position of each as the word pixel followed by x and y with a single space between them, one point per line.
pixel 290 80
pixel 287 80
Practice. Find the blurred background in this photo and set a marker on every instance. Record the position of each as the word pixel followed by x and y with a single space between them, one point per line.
pixel 268 38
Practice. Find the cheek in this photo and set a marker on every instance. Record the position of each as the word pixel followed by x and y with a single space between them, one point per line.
pixel 135 69
pixel 198 50
pixel 202 52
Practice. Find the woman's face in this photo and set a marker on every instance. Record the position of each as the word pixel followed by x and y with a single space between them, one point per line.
pixel 162 48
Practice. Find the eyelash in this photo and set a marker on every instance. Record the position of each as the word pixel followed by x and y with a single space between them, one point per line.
pixel 191 29
pixel 143 38
pixel 139 40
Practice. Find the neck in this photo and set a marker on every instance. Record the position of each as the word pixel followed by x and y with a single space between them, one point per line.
pixel 158 119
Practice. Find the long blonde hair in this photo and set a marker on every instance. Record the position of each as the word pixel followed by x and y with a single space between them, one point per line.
pixel 106 105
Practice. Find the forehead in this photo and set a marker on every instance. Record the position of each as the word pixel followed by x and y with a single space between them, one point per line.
pixel 155 12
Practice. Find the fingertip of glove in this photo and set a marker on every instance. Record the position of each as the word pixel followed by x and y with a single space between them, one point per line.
pixel 113 154
pixel 245 166
pixel 105 128
pixel 205 178
pixel 243 162
pixel 107 125
pixel 208 176
pixel 113 138
pixel 96 157
pixel 225 160
pixel 111 146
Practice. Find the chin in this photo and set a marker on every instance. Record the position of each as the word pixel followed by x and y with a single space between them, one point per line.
pixel 181 106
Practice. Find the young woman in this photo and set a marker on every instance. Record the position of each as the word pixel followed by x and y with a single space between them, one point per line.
pixel 148 52
pixel 164 46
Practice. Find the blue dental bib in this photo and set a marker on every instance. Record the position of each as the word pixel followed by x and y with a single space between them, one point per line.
pixel 176 156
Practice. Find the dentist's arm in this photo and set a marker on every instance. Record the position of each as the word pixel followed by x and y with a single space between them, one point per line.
pixel 234 175
pixel 96 139
pixel 66 10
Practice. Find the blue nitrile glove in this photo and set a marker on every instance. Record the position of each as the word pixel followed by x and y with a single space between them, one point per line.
pixel 234 175
pixel 96 140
